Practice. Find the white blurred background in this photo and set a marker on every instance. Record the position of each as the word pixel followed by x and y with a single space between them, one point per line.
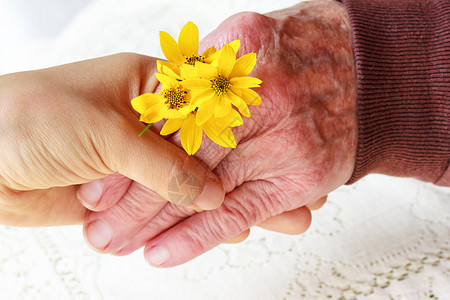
pixel 24 20
pixel 28 28
pixel 41 33
pixel 381 238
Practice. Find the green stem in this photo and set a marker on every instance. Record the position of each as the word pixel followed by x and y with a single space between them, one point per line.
pixel 146 128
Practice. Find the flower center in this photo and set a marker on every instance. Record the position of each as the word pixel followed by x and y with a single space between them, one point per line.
pixel 190 60
pixel 176 98
pixel 220 85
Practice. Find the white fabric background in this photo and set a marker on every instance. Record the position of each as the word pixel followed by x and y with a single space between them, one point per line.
pixel 381 238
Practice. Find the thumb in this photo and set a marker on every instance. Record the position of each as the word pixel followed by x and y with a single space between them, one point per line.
pixel 162 167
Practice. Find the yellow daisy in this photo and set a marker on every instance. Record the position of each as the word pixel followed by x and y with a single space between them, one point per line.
pixel 223 84
pixel 186 51
pixel 217 129
pixel 173 101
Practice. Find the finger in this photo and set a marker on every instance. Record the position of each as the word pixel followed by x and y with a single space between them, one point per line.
pixel 167 217
pixel 49 207
pixel 239 238
pixel 294 221
pixel 162 167
pixel 318 204
pixel 246 206
pixel 109 230
pixel 101 194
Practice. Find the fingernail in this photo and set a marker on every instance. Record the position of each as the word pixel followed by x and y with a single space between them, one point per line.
pixel 212 196
pixel 157 256
pixel 98 234
pixel 91 192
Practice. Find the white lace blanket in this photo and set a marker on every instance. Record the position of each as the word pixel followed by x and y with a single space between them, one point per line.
pixel 382 238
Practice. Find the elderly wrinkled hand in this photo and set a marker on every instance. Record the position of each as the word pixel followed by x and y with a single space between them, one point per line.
pixel 298 146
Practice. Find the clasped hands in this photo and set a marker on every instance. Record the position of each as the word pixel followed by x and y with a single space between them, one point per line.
pixel 71 152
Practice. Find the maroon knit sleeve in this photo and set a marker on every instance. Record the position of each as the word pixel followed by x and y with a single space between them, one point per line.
pixel 402 53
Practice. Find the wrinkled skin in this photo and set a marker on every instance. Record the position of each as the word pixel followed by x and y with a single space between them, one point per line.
pixel 298 146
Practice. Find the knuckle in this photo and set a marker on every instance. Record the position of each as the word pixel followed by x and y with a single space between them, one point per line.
pixel 238 216
pixel 272 198
pixel 140 194
pixel 208 233
pixel 247 208
pixel 172 213
pixel 238 213
pixel 196 239
pixel 232 218
pixel 248 20
pixel 136 204
pixel 115 187
pixel 246 25
pixel 128 212
pixel 109 146
pixel 232 171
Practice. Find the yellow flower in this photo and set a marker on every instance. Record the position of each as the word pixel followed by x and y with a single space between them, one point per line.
pixel 219 85
pixel 173 101
pixel 198 91
pixel 186 51
pixel 169 69
pixel 217 129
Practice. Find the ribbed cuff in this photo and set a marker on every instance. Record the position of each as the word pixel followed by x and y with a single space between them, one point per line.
pixel 402 54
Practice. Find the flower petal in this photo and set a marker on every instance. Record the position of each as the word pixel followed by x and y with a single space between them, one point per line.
pixel 174 113
pixel 244 65
pixel 213 58
pixel 250 96
pixel 206 71
pixel 196 83
pixel 168 68
pixel 188 71
pixel 226 61
pixel 235 45
pixel 185 110
pixel 171 126
pixel 166 80
pixel 170 48
pixel 188 39
pixel 205 111
pixel 245 82
pixel 219 133
pixel 222 107
pixel 239 103
pixel 201 96
pixel 143 102
pixel 232 120
pixel 153 114
pixel 210 51
pixel 190 135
